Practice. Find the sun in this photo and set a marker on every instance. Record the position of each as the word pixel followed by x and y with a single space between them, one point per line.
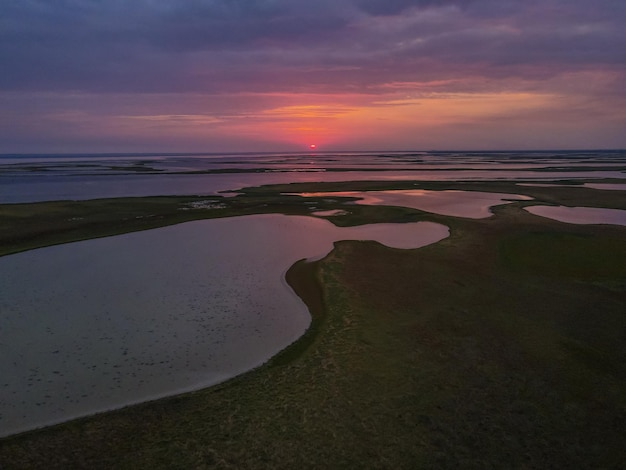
pixel 313 146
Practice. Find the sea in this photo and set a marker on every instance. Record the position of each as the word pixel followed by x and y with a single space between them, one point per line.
pixel 33 178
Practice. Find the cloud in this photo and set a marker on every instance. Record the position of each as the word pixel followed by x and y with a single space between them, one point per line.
pixel 219 45
pixel 395 7
pixel 217 62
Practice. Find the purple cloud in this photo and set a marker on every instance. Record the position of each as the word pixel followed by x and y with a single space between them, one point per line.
pixel 64 62
pixel 176 46
pixel 395 7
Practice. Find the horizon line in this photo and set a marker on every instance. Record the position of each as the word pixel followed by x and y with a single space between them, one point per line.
pixel 303 152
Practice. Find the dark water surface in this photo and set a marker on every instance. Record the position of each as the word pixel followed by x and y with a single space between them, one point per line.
pixel 56 177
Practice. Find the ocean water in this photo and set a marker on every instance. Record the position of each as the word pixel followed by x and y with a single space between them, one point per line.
pixel 31 178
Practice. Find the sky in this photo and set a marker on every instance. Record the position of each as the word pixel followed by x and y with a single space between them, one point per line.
pixel 280 75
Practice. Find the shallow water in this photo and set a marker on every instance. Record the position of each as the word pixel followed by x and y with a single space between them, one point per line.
pixel 607 186
pixel 580 215
pixel 41 178
pixel 329 213
pixel 549 185
pixel 100 324
pixel 34 188
pixel 471 204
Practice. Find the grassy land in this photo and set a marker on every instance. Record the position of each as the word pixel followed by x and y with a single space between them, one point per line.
pixel 499 347
pixel 28 226
pixel 572 193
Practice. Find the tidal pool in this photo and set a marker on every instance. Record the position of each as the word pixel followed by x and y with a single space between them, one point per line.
pixel 580 215
pixel 470 204
pixel 100 324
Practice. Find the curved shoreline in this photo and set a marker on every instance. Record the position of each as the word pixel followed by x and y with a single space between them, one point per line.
pixel 302 279
pixel 208 306
pixel 485 338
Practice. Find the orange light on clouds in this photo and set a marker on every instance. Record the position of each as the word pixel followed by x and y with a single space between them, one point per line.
pixel 335 121
pixel 339 120
pixel 319 123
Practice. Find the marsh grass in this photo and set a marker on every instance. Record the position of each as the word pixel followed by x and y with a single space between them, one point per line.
pixel 34 225
pixel 573 255
pixel 571 194
pixel 489 349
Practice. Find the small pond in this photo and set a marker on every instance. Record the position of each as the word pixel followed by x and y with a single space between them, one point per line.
pixel 470 204
pixel 607 186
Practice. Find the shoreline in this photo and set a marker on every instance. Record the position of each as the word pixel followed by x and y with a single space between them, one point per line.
pixel 140 347
pixel 423 345
pixel 301 277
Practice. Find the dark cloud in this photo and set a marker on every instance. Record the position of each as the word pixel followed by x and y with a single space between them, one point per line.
pixel 394 7
pixel 97 45
pixel 294 45
pixel 191 30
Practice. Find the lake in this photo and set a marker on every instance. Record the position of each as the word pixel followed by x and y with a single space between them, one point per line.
pixel 100 324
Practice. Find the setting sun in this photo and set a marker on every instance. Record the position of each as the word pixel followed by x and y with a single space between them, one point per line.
pixel 312 146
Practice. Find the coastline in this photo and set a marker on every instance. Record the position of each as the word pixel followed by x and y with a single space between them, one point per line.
pixel 108 324
pixel 302 279
pixel 365 368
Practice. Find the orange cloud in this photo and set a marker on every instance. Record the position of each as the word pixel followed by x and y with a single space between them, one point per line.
pixel 334 124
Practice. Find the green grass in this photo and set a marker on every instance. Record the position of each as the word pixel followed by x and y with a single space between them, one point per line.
pixel 566 254
pixel 571 194
pixel 28 226
pixel 490 349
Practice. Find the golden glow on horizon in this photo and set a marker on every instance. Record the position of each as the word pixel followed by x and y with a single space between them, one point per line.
pixel 309 111
pixel 397 117
pixel 410 120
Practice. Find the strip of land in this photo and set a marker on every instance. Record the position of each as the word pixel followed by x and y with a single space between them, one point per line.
pixel 501 346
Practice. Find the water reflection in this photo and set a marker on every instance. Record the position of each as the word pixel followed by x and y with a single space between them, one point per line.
pixel 580 215
pixel 46 178
pixel 100 324
pixel 607 186
pixel 471 204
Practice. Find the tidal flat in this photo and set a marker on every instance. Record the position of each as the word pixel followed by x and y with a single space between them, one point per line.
pixel 500 346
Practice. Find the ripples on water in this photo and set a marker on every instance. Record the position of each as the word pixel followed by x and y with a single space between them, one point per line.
pixel 44 178
pixel 580 215
pixel 471 204
pixel 103 323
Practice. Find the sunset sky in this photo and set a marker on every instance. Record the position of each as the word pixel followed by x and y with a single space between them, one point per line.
pixel 265 75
